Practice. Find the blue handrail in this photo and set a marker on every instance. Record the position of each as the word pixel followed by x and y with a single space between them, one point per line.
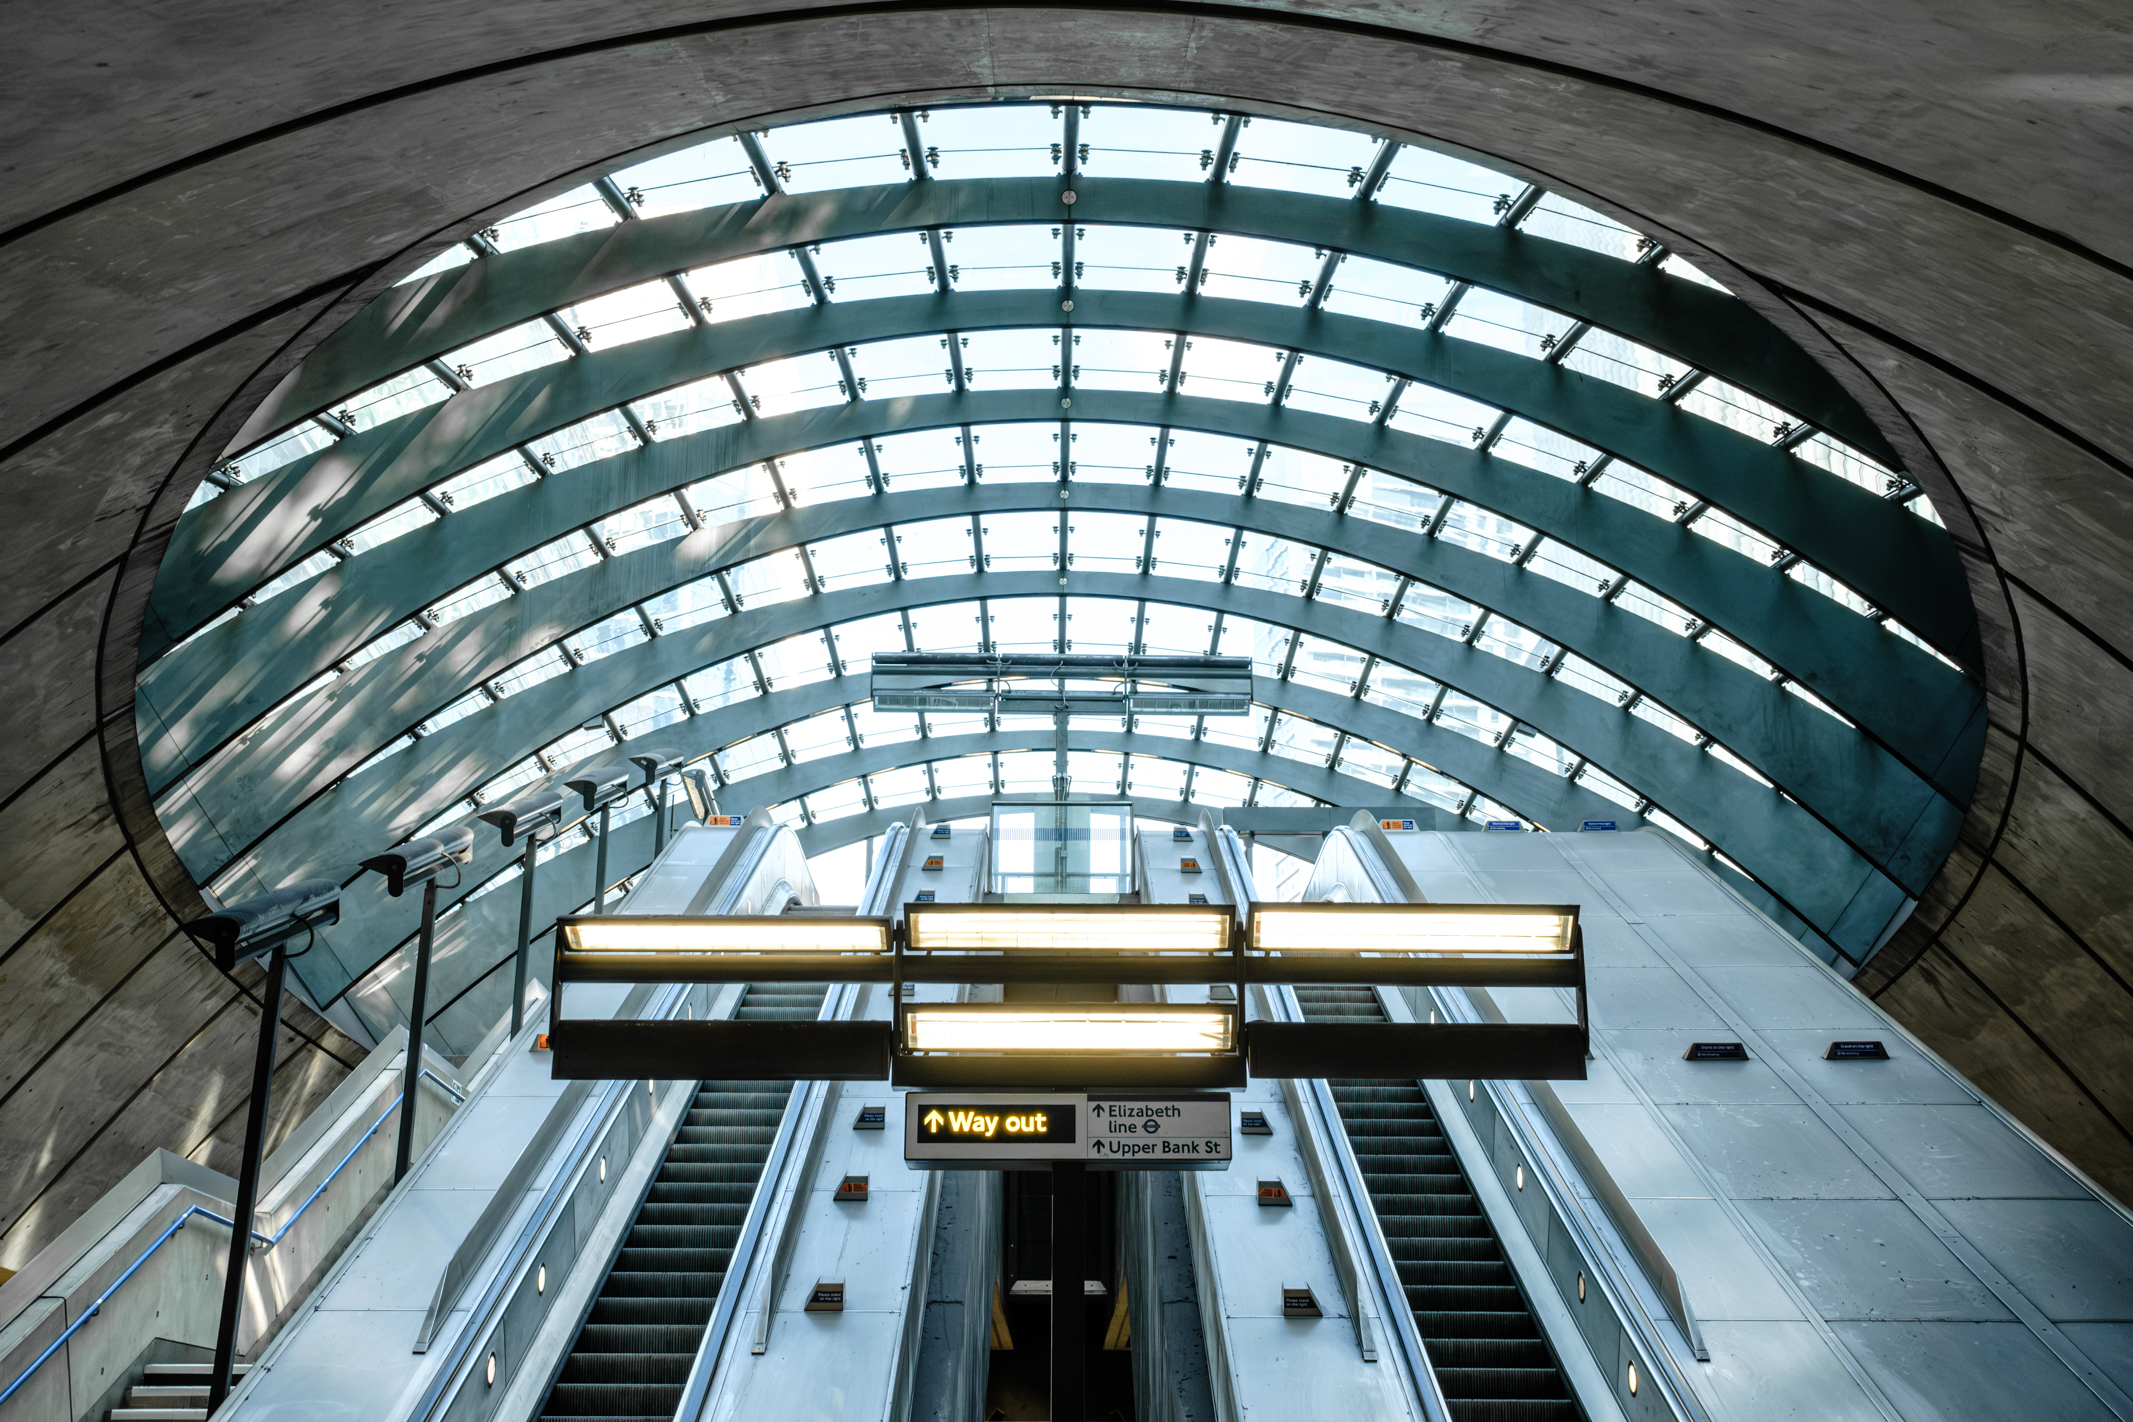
pixel 179 1223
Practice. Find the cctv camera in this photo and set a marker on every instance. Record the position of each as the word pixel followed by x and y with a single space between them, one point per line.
pixel 539 811
pixel 259 925
pixel 424 858
pixel 657 765
pixel 602 786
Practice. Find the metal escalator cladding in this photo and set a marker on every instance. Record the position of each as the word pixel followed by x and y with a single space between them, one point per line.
pixel 632 1357
pixel 1484 1345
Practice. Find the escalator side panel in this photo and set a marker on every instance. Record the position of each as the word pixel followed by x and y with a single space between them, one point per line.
pixel 632 1357
pixel 1488 1352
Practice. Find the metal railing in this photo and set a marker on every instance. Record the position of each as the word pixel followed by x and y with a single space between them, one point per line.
pixel 259 1241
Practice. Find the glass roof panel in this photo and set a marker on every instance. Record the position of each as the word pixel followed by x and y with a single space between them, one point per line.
pixel 721 684
pixel 579 210
pixel 1297 738
pixel 486 480
pixel 749 286
pixel 603 639
pixel 1334 387
pixel 1253 269
pixel 857 641
pixel 1350 582
pixel 1472 526
pixel 1304 158
pixel 1436 182
pixel 855 560
pixel 1143 141
pixel 934 547
pixel 1560 220
pixel 1394 501
pixel 1153 777
pixel 1021 542
pixel 1184 549
pixel 817 736
pixel 1524 442
pixel 1170 630
pixel 1099 624
pixel 883 728
pixel 1025 624
pixel 1328 666
pixel 923 459
pixel 1381 291
pixel 653 521
pixel 1367 760
pixel 752 756
pixel 837 153
pixel 1112 454
pixel 1105 542
pixel 521 348
pixel 798 660
pixel 913 365
pixel 601 437
pixel 871 268
pixel 893 789
pixel 303 572
pixel 1115 258
pixel 784 387
pixel 991 140
pixel 768 580
pixel 1006 257
pixel 1246 732
pixel 285 448
pixel 1012 359
pixel 1622 361
pixel 484 591
pixel 632 314
pixel 1295 477
pixel 1438 414
pixel 1398 689
pixel 552 560
pixel 450 259
pixel 835 802
pixel 1435 610
pixel 747 492
pixel 655 710
pixel 1121 360
pixel 946 627
pixel 963 775
pixel 1265 644
pixel 1217 464
pixel 1274 564
pixel 826 475
pixel 404 518
pixel 706 175
pixel 685 409
pixel 1220 789
pixel 1229 370
pixel 1736 409
pixel 1494 319
pixel 403 394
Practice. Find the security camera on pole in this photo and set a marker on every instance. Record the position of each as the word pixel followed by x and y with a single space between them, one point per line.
pixel 419 861
pixel 657 765
pixel 534 816
pixel 244 931
pixel 601 788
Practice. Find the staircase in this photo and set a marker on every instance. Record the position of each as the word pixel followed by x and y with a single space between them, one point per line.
pixel 632 1358
pixel 1484 1346
pixel 169 1392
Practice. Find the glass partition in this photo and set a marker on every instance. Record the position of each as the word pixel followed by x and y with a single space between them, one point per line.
pixel 1055 848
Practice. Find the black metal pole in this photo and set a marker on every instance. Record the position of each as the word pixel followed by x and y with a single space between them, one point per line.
pixel 255 1131
pixel 525 934
pixel 1070 1311
pixel 659 826
pixel 600 867
pixel 411 1074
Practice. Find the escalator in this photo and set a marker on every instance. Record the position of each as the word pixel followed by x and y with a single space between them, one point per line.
pixel 1483 1342
pixel 631 1359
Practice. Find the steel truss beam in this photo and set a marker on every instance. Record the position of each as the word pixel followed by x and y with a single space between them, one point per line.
pixel 208 691
pixel 228 809
pixel 227 547
pixel 1707 329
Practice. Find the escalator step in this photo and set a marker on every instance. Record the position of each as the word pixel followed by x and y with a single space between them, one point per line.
pixel 1490 1359
pixel 631 1359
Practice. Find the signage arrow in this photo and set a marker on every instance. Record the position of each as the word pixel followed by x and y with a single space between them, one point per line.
pixel 1096 1111
pixel 933 1120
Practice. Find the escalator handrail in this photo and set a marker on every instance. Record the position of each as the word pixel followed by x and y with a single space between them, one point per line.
pixel 1316 1096
pixel 480 1315
pixel 1555 1181
pixel 877 899
pixel 697 1389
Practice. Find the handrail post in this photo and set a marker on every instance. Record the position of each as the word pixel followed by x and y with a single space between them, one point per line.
pixel 410 1074
pixel 255 1130
pixel 525 935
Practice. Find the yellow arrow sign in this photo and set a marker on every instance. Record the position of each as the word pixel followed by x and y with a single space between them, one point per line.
pixel 933 1120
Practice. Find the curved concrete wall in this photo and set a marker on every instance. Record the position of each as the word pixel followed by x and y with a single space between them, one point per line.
pixel 1927 197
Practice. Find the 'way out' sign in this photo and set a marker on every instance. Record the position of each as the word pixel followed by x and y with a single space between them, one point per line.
pixel 1109 1130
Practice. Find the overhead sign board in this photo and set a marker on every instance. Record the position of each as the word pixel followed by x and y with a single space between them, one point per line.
pixel 1109 1130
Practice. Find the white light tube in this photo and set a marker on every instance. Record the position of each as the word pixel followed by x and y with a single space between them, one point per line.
pixel 1059 928
pixel 1407 928
pixel 1065 1029
pixel 623 934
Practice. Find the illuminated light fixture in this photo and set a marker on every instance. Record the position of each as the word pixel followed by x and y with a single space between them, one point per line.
pixel 1068 928
pixel 1404 929
pixel 624 933
pixel 1129 1029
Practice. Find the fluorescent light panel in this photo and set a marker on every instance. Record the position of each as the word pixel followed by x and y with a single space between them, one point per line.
pixel 623 934
pixel 1063 928
pixel 1095 1029
pixel 1408 928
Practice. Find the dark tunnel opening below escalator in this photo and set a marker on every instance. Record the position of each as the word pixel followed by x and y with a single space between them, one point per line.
pixel 1018 1386
pixel 632 1357
pixel 1488 1352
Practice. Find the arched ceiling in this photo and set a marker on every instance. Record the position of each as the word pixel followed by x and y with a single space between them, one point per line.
pixel 597 478
pixel 1923 201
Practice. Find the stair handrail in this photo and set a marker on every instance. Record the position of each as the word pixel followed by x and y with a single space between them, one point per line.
pixel 259 1240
